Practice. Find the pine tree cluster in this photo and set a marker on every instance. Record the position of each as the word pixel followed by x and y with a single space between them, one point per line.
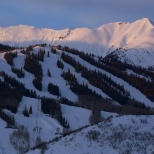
pixel 10 120
pixel 53 108
pixel 112 65
pixel 60 64
pixel 9 57
pixel 27 112
pixel 108 105
pixel 19 72
pixel 106 84
pixel 5 48
pixel 79 89
pixel 33 66
pixel 53 89
pixel 12 91
pixel 53 50
pixel 39 56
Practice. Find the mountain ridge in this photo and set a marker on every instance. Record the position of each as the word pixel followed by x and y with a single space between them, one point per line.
pixel 97 40
pixel 130 41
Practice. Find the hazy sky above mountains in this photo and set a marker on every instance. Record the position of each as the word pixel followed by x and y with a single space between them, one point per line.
pixel 60 14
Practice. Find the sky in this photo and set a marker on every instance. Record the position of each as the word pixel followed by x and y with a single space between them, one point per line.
pixel 61 14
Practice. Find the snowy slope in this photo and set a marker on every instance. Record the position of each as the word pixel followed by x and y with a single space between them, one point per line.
pixel 77 117
pixel 37 118
pixel 50 63
pixel 138 56
pixel 47 131
pixel 138 34
pixel 47 126
pixel 125 134
pixel 4 135
pixel 135 93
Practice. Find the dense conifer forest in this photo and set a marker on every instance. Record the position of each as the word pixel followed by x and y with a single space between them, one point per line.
pixel 107 85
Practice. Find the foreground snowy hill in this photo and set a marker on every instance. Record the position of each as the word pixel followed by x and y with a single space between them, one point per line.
pixel 122 134
pixel 136 37
pixel 39 124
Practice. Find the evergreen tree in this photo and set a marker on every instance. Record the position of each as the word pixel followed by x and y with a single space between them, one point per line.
pixel 49 74
pixel 60 64
pixel 48 55
pixel 25 112
pixel 30 110
pixel 53 89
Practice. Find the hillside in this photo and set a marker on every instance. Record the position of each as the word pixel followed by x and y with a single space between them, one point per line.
pixel 124 134
pixel 49 64
pixel 68 83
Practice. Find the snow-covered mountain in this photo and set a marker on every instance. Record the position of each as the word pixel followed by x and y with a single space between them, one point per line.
pixel 136 37
pixel 138 34
pixel 117 89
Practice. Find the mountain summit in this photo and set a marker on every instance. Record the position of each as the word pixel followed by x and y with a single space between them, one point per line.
pixel 138 34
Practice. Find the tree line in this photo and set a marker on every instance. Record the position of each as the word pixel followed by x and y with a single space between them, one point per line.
pixel 19 72
pixel 5 48
pixel 142 84
pixel 33 66
pixel 77 88
pixel 112 65
pixel 12 91
pixel 53 108
pixel 38 56
pixel 108 105
pixel 53 89
pixel 8 56
pixel 8 118
pixel 106 84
